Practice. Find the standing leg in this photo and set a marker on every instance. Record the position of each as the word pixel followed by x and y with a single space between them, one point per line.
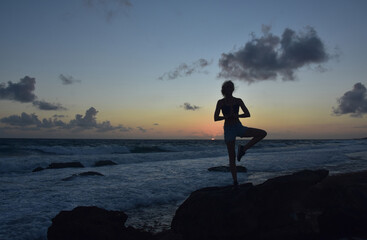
pixel 232 160
pixel 256 134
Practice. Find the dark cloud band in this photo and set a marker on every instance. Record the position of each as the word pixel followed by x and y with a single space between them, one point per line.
pixel 79 123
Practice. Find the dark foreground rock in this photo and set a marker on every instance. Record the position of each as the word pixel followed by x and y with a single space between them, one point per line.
pixel 226 169
pixel 93 223
pixel 104 163
pixel 37 169
pixel 65 165
pixel 83 174
pixel 57 165
pixel 304 205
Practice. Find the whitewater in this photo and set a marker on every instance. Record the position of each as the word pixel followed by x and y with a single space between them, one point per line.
pixel 150 180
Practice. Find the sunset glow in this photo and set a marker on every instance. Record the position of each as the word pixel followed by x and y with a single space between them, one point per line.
pixel 154 70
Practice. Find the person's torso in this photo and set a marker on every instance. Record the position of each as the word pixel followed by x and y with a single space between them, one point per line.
pixel 230 108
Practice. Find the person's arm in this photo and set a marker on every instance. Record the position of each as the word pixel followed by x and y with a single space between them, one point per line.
pixel 217 111
pixel 246 112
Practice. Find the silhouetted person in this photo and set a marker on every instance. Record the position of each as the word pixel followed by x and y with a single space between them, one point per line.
pixel 233 128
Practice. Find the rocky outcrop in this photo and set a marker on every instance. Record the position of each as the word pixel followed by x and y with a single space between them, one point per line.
pixel 342 204
pixel 37 169
pixel 93 223
pixel 304 205
pixel 104 163
pixel 226 169
pixel 57 165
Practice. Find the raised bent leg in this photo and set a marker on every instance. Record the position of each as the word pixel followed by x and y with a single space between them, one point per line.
pixel 256 134
pixel 232 160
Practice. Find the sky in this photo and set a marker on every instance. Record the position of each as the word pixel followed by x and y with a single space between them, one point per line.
pixel 139 69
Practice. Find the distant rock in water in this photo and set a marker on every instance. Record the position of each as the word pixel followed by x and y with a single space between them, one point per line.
pixel 93 223
pixel 226 169
pixel 65 165
pixel 104 163
pixel 83 174
pixel 305 205
pixel 37 169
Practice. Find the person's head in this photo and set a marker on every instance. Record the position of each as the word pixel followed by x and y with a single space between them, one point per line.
pixel 227 88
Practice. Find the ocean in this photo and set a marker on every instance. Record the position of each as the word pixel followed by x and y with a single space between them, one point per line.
pixel 150 180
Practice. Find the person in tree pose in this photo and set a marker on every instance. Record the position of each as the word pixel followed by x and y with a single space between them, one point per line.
pixel 233 128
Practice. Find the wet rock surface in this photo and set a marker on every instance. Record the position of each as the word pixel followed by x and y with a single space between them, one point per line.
pixel 226 169
pixel 57 165
pixel 104 163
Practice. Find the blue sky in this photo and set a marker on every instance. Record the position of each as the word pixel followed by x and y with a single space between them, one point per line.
pixel 116 50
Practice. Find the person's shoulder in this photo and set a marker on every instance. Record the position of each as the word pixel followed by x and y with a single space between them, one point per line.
pixel 238 100
pixel 220 102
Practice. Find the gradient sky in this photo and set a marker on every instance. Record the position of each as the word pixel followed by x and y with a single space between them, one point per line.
pixel 118 57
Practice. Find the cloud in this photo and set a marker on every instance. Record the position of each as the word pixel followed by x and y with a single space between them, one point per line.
pixel 184 70
pixel 267 57
pixel 80 123
pixel 124 129
pixel 86 122
pixel 58 116
pixel 43 105
pixel 23 120
pixel 27 120
pixel 353 102
pixel 21 92
pixel 110 8
pixel 156 124
pixel 67 80
pixel 188 106
pixel 142 129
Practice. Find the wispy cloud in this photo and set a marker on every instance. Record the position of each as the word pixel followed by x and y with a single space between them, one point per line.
pixel 141 129
pixel 43 105
pixel 353 102
pixel 267 57
pixel 110 8
pixel 68 80
pixel 189 107
pixel 184 70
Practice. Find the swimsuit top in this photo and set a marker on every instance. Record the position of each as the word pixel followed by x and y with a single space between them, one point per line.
pixel 226 109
